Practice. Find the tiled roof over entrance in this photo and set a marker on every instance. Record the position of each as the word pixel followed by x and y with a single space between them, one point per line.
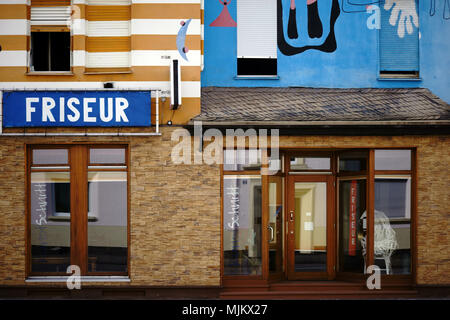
pixel 279 105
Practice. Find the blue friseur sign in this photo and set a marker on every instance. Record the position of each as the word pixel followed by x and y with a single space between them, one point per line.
pixel 76 108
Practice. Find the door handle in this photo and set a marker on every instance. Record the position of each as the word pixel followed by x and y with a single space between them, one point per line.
pixel 272 236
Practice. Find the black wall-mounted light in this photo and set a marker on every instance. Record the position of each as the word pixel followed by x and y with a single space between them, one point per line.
pixel 108 85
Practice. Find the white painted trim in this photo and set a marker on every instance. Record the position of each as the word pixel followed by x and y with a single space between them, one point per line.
pixel 16 27
pixel 154 57
pixel 13 1
pixel 163 26
pixel 80 58
pixel 189 89
pixel 13 58
pixel 138 26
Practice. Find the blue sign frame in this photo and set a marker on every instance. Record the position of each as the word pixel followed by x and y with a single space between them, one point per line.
pixel 76 108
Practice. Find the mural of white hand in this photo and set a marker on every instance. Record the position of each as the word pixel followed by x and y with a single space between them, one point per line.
pixel 408 15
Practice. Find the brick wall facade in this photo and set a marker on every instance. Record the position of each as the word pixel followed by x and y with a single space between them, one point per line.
pixel 175 209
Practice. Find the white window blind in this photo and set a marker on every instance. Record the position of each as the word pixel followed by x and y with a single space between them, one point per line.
pixel 104 30
pixel 256 28
pixel 50 15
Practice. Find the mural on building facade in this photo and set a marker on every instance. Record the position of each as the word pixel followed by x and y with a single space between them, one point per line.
pixel 445 11
pixel 224 19
pixel 181 39
pixel 315 28
pixel 403 12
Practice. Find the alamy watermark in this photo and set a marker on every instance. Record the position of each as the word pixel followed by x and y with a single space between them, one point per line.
pixel 74 280
pixel 212 147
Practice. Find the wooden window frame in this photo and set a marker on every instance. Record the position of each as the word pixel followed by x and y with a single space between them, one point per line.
pixel 78 163
pixel 48 28
pixel 235 279
pixel 368 175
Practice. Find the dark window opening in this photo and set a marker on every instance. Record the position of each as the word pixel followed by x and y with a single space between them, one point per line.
pixel 256 67
pixel 50 51
pixel 399 74
pixel 62 197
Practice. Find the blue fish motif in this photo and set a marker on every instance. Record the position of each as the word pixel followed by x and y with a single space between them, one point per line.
pixel 181 39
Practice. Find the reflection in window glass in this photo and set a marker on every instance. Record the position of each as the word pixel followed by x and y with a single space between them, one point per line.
pixel 353 161
pixel 242 160
pixel 107 233
pixel 50 221
pixel 242 225
pixel 352 225
pixel 103 155
pixel 50 156
pixel 275 224
pixel 299 163
pixel 392 159
pixel 310 200
pixel 393 225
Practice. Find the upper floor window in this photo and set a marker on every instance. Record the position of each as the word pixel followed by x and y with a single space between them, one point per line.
pixel 50 35
pixel 399 39
pixel 256 37
pixel 108 42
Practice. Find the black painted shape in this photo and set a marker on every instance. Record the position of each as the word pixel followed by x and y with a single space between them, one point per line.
pixel 329 45
pixel 292 24
pixel 315 29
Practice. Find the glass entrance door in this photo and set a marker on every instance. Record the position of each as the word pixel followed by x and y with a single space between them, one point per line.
pixel 310 227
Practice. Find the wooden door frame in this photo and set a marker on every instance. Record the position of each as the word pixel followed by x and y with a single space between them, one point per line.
pixel 331 228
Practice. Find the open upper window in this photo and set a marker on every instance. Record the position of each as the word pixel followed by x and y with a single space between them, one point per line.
pixel 50 36
pixel 256 38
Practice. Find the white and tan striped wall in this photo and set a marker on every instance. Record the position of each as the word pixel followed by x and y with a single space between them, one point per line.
pixel 127 42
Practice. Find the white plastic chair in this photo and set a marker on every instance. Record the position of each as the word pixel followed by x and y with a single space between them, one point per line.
pixel 385 239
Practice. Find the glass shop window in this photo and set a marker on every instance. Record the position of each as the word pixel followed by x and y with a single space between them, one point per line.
pixel 352 225
pixel 242 221
pixel 353 161
pixel 392 238
pixel 310 163
pixel 59 175
pixel 242 160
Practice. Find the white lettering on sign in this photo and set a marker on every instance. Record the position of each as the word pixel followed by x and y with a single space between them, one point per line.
pixel 29 108
pixel 87 109
pixel 70 110
pixel 47 105
pixel 76 113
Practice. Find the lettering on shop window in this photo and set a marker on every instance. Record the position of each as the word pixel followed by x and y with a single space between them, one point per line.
pixel 41 192
pixel 234 206
pixel 42 203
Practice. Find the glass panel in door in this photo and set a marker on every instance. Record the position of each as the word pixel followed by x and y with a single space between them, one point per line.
pixel 275 226
pixel 310 216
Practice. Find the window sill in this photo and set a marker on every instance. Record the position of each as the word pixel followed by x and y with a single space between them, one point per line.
pixel 256 77
pixel 107 72
pixel 386 78
pixel 82 279
pixel 49 73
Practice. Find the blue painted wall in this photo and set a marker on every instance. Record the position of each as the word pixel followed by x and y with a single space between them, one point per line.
pixel 354 64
